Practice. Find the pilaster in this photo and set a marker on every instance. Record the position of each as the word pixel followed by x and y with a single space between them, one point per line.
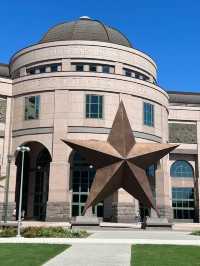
pixel 66 65
pixel 163 190
pixel 124 208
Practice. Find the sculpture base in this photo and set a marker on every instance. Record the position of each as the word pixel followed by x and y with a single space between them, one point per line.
pixel 85 220
pixel 155 222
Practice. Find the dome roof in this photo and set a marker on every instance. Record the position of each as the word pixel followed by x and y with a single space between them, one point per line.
pixel 85 29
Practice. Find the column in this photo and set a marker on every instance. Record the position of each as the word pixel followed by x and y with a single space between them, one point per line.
pixel 58 206
pixel 11 192
pixel 124 207
pixel 59 201
pixel 119 69
pixel 162 178
pixel 66 65
pixel 163 189
pixel 8 161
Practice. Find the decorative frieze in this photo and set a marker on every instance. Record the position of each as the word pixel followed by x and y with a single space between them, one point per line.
pixel 182 133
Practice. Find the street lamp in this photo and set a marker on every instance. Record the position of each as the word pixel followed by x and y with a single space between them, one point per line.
pixel 23 149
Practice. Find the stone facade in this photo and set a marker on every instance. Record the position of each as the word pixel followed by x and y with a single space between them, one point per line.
pixel 58 211
pixel 123 212
pixel 10 211
pixel 62 113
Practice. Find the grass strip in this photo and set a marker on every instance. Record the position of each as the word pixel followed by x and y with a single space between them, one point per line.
pixel 165 255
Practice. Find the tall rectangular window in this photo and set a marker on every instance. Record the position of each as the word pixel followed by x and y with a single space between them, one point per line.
pixel 183 202
pixel 148 111
pixel 94 106
pixel 32 107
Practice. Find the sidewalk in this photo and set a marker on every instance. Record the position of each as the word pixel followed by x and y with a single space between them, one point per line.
pixel 116 241
pixel 118 237
pixel 93 255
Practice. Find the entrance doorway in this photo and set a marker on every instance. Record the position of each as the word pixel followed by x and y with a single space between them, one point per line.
pixel 151 173
pixel 35 182
pixel 82 176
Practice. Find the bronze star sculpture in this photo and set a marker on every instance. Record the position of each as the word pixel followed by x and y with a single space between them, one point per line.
pixel 120 162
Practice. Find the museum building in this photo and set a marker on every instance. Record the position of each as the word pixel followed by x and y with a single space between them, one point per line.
pixel 69 85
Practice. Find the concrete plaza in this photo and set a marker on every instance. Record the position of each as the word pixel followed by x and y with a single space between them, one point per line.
pixel 108 247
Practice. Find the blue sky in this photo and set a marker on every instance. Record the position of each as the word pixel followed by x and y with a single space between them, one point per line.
pixel 169 31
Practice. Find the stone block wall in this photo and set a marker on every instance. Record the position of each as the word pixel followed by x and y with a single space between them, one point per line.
pixel 123 212
pixel 58 212
pixel 10 211
pixel 166 212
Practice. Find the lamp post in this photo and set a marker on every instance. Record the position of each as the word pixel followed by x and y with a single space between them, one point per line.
pixel 23 149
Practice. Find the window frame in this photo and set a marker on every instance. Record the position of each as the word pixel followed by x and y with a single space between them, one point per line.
pixel 105 67
pixel 79 65
pixel 91 66
pixel 129 72
pixel 26 98
pixel 102 108
pixel 145 121
pixel 182 202
pixel 42 69
pixel 82 176
pixel 191 175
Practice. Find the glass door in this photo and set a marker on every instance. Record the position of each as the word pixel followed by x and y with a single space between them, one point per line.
pixel 82 178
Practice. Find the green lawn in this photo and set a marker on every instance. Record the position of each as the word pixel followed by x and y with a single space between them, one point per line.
pixel 28 254
pixel 165 255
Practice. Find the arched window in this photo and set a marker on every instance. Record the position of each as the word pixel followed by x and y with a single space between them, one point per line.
pixel 181 168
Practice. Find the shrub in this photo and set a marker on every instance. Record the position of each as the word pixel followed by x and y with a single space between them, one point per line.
pixel 44 232
pixel 196 233
pixel 8 232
